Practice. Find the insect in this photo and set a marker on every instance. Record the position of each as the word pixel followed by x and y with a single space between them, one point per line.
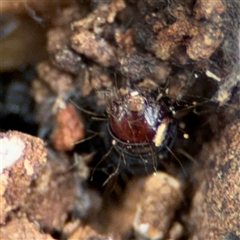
pixel 140 126
pixel 138 133
pixel 148 126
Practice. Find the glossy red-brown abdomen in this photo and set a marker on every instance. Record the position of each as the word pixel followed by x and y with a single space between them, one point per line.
pixel 138 117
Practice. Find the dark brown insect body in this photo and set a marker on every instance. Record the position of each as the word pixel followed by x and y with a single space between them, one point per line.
pixel 141 128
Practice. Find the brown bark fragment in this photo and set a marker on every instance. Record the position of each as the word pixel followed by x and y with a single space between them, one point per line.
pixel 97 49
pixel 58 192
pixel 215 211
pixel 40 92
pixel 103 14
pixel 210 10
pixel 205 42
pixel 61 55
pixel 21 228
pixel 159 200
pixel 86 232
pixel 69 128
pixel 176 231
pixel 58 81
pixel 22 156
pixel 125 40
pixel 168 39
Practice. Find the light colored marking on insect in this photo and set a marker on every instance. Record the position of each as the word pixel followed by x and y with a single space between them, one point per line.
pixel 213 76
pixel 186 136
pixel 136 102
pixel 134 93
pixel 161 133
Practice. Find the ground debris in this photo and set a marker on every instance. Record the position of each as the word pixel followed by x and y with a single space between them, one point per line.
pixel 18 168
pixel 184 52
pixel 21 228
pixel 58 193
pixel 160 197
pixel 57 80
pixel 86 232
pixel 62 56
pixel 215 210
pixel 96 49
pixel 69 128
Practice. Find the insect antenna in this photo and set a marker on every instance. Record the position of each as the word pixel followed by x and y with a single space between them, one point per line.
pixel 80 162
pixel 154 158
pixel 96 115
pixel 169 150
pixel 187 155
pixel 145 166
pixel 112 174
pixel 123 158
pixel 101 160
pixel 87 138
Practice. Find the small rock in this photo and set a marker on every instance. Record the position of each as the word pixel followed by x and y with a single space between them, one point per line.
pixel 159 199
pixel 22 158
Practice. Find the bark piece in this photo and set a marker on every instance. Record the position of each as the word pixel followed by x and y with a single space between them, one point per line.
pixel 95 48
pixel 210 10
pixel 169 38
pixel 69 128
pixel 57 80
pixel 22 158
pixel 160 197
pixel 103 14
pixel 87 232
pixel 21 228
pixel 205 42
pixel 215 210
pixel 59 192
pixel 61 55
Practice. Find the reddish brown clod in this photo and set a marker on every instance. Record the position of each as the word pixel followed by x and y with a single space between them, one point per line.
pixel 69 128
